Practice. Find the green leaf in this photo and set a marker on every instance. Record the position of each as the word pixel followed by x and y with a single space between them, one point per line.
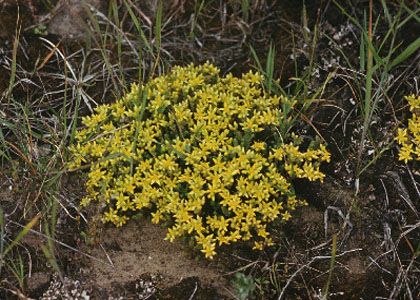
pixel 244 285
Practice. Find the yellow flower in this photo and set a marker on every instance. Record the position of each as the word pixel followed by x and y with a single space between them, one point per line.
pixel 286 216
pixel 413 101
pixel 409 138
pixel 123 202
pixel 258 146
pixel 326 156
pixel 157 217
pixel 405 152
pixel 254 171
pixel 214 188
pixel 208 245
pixel 262 233
pixel 182 215
pixel 401 137
pixel 206 155
pixel 310 172
pixel 258 246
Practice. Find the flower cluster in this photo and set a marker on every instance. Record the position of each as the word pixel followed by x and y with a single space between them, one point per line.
pixel 201 153
pixel 409 138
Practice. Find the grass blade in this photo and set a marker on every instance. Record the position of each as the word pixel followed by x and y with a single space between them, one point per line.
pixel 269 69
pixel 255 56
pixel 137 24
pixel 158 26
pixel 14 57
pixel 22 233
pixel 332 263
pixel 410 50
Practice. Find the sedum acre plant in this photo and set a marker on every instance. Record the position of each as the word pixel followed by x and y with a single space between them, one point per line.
pixel 409 138
pixel 201 152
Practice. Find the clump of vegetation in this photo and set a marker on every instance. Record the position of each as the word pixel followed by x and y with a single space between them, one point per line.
pixel 201 152
pixel 409 138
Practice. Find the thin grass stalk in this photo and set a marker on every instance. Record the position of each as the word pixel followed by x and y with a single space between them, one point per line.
pixel 18 270
pixel 114 11
pixel 102 46
pixel 245 10
pixel 384 65
pixel 158 36
pixel 14 59
pixel 2 238
pixel 326 288
pixel 269 70
pixel 51 258
pixel 4 150
pixel 64 109
pixel 137 24
pixel 158 26
pixel 368 93
pixel 198 7
pixel 21 234
pixel 140 75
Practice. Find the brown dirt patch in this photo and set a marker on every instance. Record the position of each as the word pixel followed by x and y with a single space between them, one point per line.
pixel 139 248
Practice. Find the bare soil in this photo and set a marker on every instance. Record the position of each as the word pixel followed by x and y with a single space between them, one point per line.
pixel 139 248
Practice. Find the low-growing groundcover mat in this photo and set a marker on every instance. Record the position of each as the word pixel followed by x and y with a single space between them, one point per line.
pixel 350 65
pixel 210 156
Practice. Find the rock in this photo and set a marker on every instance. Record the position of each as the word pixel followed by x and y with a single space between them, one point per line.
pixel 69 18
